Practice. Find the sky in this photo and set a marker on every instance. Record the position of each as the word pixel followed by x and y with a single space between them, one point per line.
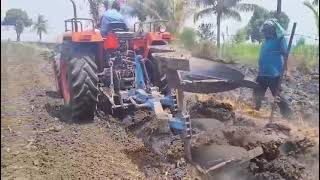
pixel 56 11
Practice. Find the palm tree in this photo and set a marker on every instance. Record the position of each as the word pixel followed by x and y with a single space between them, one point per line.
pixel 315 2
pixel 315 10
pixel 175 11
pixel 224 9
pixel 40 26
pixel 94 10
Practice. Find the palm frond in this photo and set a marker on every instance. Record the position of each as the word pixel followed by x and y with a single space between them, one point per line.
pixel 314 11
pixel 229 13
pixel 40 25
pixel 246 7
pixel 207 3
pixel 204 12
pixel 315 2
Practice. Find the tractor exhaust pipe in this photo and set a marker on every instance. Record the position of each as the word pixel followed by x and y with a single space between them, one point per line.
pixel 75 14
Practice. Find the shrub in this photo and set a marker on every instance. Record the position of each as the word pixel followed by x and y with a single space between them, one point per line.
pixel 206 50
pixel 240 36
pixel 188 38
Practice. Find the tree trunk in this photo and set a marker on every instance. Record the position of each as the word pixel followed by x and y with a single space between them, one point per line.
pixel 18 36
pixel 40 36
pixel 278 9
pixel 218 28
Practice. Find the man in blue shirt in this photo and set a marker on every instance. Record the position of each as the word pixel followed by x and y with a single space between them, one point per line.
pixel 111 16
pixel 272 65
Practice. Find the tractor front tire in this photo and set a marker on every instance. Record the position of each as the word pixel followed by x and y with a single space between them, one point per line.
pixel 83 80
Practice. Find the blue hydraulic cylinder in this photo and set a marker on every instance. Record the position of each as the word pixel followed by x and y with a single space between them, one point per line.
pixel 140 84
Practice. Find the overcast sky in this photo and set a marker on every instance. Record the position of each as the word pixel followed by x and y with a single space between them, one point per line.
pixel 56 11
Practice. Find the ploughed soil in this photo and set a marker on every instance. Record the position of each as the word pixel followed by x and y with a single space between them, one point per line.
pixel 37 142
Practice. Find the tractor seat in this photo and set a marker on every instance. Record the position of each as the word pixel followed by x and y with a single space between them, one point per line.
pixel 115 27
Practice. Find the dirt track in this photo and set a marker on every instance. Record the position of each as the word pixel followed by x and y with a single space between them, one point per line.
pixel 37 144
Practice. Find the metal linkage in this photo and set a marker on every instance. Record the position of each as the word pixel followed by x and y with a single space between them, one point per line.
pixel 188 130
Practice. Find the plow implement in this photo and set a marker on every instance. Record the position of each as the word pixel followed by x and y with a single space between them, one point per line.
pixel 212 78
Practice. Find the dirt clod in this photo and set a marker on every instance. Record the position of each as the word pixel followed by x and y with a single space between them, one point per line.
pixel 213 109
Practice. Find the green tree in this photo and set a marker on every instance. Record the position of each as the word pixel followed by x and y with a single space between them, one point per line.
pixel 224 9
pixel 40 26
pixel 175 11
pixel 314 7
pixel 240 36
pixel 188 38
pixel 139 10
pixel 94 10
pixel 258 18
pixel 17 18
pixel 19 27
pixel 256 21
pixel 301 42
pixel 205 32
pixel 315 2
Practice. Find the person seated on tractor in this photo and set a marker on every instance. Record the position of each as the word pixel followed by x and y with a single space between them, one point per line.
pixel 112 19
pixel 272 65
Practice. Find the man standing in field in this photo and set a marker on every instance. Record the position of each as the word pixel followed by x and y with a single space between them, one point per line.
pixel 272 65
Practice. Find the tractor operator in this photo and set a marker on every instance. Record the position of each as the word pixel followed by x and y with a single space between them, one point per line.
pixel 111 18
pixel 272 65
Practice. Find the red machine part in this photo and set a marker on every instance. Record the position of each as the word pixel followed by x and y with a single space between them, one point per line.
pixel 149 40
pixel 111 41
pixel 83 36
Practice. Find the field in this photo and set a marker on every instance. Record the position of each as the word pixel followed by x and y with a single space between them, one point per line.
pixel 36 143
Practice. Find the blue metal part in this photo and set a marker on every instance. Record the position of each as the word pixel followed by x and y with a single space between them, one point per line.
pixel 181 124
pixel 168 101
pixel 144 98
pixel 177 123
pixel 141 95
pixel 140 83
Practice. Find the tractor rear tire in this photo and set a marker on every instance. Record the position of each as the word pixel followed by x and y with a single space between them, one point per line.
pixel 57 75
pixel 83 81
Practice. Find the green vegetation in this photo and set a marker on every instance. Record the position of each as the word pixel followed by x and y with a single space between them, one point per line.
pixel 240 36
pixel 241 53
pixel 175 11
pixel 259 16
pixel 205 32
pixel 188 38
pixel 223 10
pixel 205 50
pixel 248 53
pixel 17 18
pixel 306 54
pixel 94 10
pixel 40 26
pixel 314 7
pixel 21 48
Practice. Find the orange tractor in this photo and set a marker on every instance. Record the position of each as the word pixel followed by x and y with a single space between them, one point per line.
pixel 100 71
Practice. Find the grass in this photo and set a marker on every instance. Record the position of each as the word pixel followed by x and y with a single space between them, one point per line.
pixel 247 53
pixel 306 55
pixel 22 48
pixel 241 53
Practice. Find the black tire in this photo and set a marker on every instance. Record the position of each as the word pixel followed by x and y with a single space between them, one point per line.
pixel 83 87
pixel 57 74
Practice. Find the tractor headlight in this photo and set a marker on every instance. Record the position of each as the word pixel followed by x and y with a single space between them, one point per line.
pixel 162 29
